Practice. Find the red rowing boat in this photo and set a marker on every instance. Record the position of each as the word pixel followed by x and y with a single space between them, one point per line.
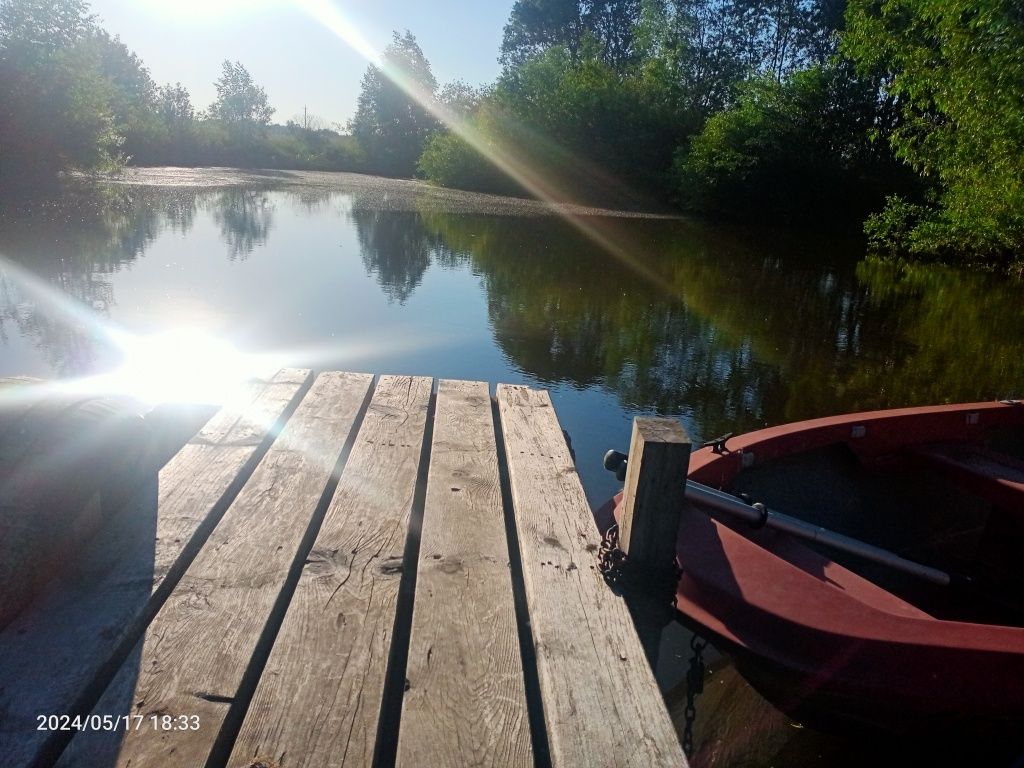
pixel 829 638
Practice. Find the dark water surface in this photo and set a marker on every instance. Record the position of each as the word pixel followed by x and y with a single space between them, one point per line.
pixel 729 330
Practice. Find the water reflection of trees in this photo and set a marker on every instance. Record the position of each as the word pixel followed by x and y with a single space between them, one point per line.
pixel 68 344
pixel 179 211
pixel 316 200
pixel 567 313
pixel 99 229
pixel 734 330
pixel 960 333
pixel 73 243
pixel 738 331
pixel 245 217
pixel 395 247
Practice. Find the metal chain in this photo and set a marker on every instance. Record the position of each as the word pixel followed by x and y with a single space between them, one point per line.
pixel 694 687
pixel 610 558
pixel 625 577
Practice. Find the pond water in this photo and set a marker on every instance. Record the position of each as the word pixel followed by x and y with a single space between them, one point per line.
pixel 727 329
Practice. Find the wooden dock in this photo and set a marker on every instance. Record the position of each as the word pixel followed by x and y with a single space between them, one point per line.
pixel 342 571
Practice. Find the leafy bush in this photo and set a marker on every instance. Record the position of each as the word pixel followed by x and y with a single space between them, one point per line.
pixel 798 150
pixel 889 231
pixel 449 161
pixel 600 126
pixel 956 68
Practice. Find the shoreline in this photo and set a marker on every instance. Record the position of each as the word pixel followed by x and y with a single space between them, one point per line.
pixel 390 194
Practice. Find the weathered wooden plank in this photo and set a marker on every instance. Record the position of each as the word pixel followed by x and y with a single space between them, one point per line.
pixel 53 654
pixel 602 705
pixel 319 699
pixel 197 648
pixel 465 703
pixel 235 434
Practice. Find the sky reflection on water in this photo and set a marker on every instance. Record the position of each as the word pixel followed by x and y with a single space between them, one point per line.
pixel 729 331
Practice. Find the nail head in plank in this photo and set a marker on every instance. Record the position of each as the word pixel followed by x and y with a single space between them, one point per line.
pixel 466 700
pixel 199 645
pixel 601 703
pixel 54 652
pixel 319 698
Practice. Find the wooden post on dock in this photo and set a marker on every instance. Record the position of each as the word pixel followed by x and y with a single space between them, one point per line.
pixel 653 499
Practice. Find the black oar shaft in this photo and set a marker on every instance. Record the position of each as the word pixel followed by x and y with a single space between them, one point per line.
pixel 710 498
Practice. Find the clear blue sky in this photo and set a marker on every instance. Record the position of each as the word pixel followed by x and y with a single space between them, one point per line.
pixel 292 56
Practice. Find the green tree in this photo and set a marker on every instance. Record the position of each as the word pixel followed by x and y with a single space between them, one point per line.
pixel 537 25
pixel 32 32
pixel 955 69
pixel 174 106
pixel 131 94
pixel 241 104
pixel 779 37
pixel 613 25
pixel 624 124
pixel 392 121
pixel 589 132
pixel 797 150
pixel 712 45
pixel 460 98
pixel 694 41
pixel 55 101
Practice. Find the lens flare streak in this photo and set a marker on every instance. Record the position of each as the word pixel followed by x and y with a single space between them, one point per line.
pixel 541 185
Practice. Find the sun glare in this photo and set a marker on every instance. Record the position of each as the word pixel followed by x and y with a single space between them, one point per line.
pixel 178 365
pixel 181 365
pixel 508 160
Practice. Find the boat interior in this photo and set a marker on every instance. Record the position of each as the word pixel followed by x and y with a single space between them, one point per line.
pixel 958 507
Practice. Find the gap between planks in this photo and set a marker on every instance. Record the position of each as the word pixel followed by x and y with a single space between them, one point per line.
pixel 60 654
pixel 601 703
pixel 319 700
pixel 194 654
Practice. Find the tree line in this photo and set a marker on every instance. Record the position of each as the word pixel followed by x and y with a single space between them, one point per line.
pixel 904 116
pixel 72 96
